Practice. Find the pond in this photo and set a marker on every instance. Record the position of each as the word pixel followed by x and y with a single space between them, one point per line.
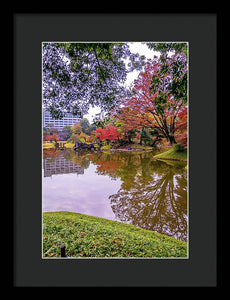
pixel 130 187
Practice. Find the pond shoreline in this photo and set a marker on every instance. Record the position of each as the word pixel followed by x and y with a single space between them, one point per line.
pixel 170 154
pixel 174 159
pixel 130 150
pixel 118 185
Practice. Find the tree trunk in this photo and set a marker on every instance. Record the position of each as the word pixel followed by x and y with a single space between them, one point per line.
pixel 172 140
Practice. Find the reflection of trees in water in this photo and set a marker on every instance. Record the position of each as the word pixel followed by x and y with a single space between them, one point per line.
pixel 157 200
pixel 153 194
pixel 82 158
pixel 119 165
pixel 50 153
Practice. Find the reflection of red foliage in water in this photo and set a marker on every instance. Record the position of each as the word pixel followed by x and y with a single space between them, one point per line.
pixel 50 152
pixel 110 167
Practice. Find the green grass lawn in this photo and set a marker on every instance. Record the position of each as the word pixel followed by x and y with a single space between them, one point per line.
pixel 173 154
pixel 87 236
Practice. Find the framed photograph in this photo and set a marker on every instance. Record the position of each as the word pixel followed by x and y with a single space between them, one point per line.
pixel 113 180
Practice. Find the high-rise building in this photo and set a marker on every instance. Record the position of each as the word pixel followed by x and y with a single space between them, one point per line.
pixel 68 119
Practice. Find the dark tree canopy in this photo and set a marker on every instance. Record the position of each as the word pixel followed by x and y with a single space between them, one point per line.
pixel 173 74
pixel 77 75
pixel 169 47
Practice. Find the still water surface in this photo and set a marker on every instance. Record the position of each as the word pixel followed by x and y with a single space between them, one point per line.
pixel 129 187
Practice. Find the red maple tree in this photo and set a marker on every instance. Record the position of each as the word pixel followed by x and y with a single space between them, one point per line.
pixel 145 108
pixel 182 127
pixel 52 137
pixel 108 133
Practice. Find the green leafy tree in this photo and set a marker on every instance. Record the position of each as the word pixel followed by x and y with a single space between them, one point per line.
pixel 65 133
pixel 173 72
pixel 77 75
pixel 84 124
pixel 169 47
pixel 131 134
pixel 145 136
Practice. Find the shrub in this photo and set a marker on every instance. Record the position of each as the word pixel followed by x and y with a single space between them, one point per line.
pixel 178 147
pixel 69 145
pixel 106 147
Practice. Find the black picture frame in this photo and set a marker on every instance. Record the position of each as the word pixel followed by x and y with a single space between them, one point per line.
pixel 29 30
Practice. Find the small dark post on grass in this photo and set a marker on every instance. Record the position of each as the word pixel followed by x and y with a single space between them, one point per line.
pixel 62 250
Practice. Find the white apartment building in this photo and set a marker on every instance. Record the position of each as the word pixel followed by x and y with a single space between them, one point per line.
pixel 68 119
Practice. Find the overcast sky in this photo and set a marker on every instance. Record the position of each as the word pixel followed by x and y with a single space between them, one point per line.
pixel 135 47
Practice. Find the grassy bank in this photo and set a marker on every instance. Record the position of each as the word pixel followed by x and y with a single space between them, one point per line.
pixel 87 236
pixel 173 154
pixel 51 145
pixel 48 145
pixel 69 145
pixel 127 148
